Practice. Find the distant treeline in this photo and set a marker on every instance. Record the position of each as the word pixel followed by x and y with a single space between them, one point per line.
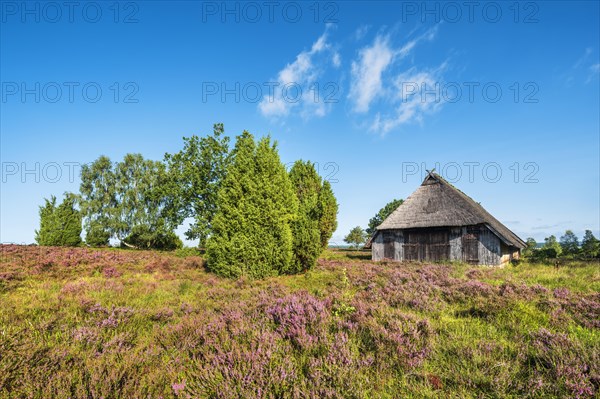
pixel 568 247
pixel 251 215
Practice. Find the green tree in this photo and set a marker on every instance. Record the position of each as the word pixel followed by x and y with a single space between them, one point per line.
pixel 305 229
pixel 530 249
pixel 60 225
pixel 328 209
pixel 126 201
pixel 590 245
pixel 195 176
pixel 251 234
pixel 96 235
pixel 98 202
pixel 47 234
pixel 356 237
pixel 569 243
pixel 70 221
pixel 139 218
pixel 551 248
pixel 382 215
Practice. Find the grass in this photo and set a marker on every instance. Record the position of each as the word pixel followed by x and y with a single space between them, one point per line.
pixel 82 323
pixel 577 276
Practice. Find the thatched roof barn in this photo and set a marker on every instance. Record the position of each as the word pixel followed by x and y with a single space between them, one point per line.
pixel 439 222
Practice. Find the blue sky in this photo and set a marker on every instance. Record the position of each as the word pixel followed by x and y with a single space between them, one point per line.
pixel 503 97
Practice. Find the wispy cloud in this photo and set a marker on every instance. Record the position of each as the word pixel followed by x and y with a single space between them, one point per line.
pixel 413 100
pixel 551 226
pixel 583 65
pixel 361 32
pixel 594 72
pixel 294 82
pixel 336 59
pixel 366 73
pixel 582 60
pixel 374 76
pixel 372 79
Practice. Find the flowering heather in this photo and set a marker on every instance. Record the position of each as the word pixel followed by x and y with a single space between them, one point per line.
pixel 162 315
pixel 561 293
pixel 301 318
pixel 474 274
pixel 474 288
pixel 186 308
pixel 178 387
pixel 111 271
pixel 565 363
pixel 84 323
pixel 86 335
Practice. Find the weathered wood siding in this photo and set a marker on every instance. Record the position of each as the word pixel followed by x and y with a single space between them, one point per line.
pixel 388 245
pixel 474 244
pixel 399 248
pixel 377 247
pixel 489 247
pixel 456 243
pixel 470 244
pixel 427 244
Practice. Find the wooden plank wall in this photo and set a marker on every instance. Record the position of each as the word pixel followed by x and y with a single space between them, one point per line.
pixel 490 251
pixel 489 247
pixel 456 242
pixel 399 245
pixel 377 247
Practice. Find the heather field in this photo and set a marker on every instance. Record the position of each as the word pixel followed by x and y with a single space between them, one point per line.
pixel 83 323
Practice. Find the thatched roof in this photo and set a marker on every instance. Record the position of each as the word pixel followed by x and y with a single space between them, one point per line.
pixel 437 203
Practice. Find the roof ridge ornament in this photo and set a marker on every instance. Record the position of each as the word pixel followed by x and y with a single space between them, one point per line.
pixel 432 175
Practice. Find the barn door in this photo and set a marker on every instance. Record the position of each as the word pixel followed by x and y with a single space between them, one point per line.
pixel 427 245
pixel 388 245
pixel 438 247
pixel 470 246
pixel 411 245
pixel 415 245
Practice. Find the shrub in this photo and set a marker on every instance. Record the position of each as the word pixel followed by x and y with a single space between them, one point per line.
pixel 96 235
pixel 59 226
pixel 305 229
pixel 144 237
pixel 328 208
pixel 251 229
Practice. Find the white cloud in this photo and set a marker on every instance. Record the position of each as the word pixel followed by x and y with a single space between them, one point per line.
pixel 296 82
pixel 594 72
pixel 337 61
pixel 418 94
pixel 361 32
pixel 581 66
pixel 366 73
pixel 372 80
pixel 588 51
pixel 320 44
pixel 274 106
